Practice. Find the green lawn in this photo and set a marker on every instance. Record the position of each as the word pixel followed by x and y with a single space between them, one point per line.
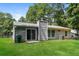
pixel 43 48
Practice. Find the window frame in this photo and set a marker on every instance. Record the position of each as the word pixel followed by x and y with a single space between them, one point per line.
pixel 51 33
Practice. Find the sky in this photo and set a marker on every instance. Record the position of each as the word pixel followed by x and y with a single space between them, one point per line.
pixel 15 9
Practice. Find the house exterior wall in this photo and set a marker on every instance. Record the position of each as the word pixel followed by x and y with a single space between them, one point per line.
pixel 23 32
pixel 13 36
pixel 59 34
pixel 43 30
pixel 20 31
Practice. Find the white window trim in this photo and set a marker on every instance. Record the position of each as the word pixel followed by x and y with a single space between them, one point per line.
pixel 50 34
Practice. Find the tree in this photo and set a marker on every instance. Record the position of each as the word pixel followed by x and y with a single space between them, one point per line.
pixel 73 16
pixel 59 13
pixel 49 11
pixel 38 11
pixel 6 23
pixel 22 19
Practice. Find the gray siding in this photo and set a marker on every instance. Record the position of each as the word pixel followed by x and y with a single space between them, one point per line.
pixel 43 30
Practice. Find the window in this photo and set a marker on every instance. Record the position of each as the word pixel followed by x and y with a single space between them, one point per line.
pixel 65 33
pixel 53 33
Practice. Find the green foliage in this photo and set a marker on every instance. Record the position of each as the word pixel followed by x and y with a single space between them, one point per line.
pixel 73 15
pixel 6 23
pixel 22 19
pixel 47 11
pixel 60 14
pixel 38 11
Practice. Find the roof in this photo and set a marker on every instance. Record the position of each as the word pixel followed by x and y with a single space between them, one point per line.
pixel 25 24
pixel 58 27
pixel 37 25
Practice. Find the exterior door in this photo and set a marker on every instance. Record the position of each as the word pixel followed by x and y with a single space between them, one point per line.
pixel 28 34
pixel 31 34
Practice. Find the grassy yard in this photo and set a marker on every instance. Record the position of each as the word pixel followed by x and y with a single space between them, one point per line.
pixel 43 48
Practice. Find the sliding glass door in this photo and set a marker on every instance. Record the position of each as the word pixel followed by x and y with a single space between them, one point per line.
pixel 31 34
pixel 28 34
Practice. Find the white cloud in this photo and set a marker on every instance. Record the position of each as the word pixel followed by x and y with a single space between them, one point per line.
pixel 17 16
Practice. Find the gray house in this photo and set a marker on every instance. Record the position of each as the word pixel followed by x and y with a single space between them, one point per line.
pixel 40 31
